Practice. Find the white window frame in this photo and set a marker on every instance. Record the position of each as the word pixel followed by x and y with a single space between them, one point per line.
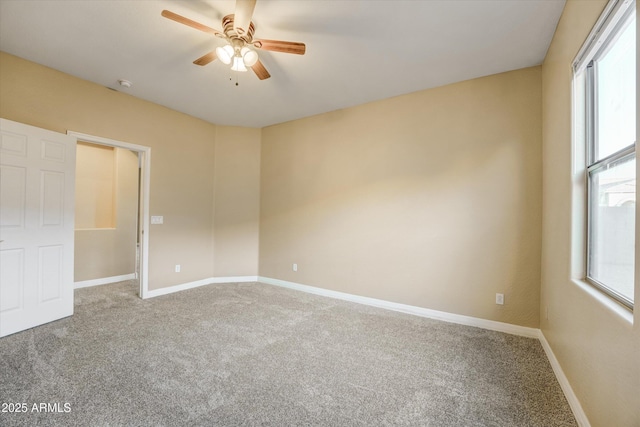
pixel 610 22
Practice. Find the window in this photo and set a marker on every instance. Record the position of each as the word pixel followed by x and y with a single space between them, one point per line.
pixel 607 66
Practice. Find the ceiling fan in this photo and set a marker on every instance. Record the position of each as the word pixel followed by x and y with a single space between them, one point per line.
pixel 238 32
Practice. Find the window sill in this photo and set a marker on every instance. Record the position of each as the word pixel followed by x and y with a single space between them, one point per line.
pixel 618 309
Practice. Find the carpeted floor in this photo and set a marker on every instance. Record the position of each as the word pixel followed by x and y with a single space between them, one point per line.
pixel 254 354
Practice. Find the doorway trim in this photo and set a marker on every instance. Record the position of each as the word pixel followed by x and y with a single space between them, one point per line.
pixel 145 176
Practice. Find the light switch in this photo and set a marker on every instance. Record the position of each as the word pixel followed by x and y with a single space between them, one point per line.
pixel 157 219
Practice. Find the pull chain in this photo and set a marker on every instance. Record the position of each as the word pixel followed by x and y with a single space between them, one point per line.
pixel 231 79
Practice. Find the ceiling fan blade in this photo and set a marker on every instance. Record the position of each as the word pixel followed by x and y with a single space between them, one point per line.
pixel 260 71
pixel 186 21
pixel 242 18
pixel 205 59
pixel 281 46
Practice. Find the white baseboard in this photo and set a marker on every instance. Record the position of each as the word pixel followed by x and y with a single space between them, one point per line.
pixel 410 309
pixel 574 403
pixel 190 285
pixel 103 281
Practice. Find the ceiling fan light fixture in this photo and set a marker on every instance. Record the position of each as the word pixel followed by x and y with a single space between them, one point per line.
pixel 250 57
pixel 239 50
pixel 238 64
pixel 225 54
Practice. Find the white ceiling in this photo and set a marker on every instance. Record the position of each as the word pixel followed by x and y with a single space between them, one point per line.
pixel 357 50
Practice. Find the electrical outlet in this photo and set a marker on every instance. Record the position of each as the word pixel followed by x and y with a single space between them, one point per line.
pixel 177 268
pixel 500 299
pixel 295 267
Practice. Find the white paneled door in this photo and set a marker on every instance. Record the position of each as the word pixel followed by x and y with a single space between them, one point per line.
pixel 37 188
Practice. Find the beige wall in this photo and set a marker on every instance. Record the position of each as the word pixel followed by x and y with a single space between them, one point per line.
pixel 431 199
pixel 108 252
pixel 597 348
pixel 237 201
pixel 95 186
pixel 183 163
pixel 182 156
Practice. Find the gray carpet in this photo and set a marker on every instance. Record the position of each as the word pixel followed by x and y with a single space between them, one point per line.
pixel 254 354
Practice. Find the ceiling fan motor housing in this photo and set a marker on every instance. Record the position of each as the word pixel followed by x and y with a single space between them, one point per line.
pixel 232 35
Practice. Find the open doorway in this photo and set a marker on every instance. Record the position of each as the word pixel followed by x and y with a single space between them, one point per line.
pixel 133 163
